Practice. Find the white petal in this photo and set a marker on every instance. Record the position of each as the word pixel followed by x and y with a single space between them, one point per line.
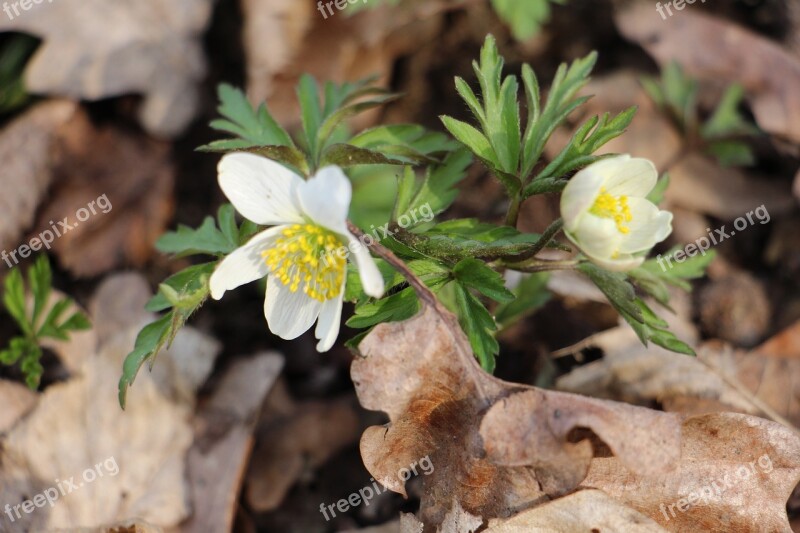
pixel 596 236
pixel 325 198
pixel 371 278
pixel 289 314
pixel 630 177
pixel 579 195
pixel 649 226
pixel 329 321
pixel 244 264
pixel 260 189
pixel 621 263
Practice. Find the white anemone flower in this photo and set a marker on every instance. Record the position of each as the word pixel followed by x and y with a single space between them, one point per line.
pixel 303 255
pixel 606 213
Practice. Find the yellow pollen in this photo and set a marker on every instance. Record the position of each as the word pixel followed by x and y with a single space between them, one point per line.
pixel 614 207
pixel 305 258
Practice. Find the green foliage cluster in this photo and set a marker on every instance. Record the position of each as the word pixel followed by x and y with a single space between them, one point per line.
pixel 461 261
pixel 37 317
pixel 724 134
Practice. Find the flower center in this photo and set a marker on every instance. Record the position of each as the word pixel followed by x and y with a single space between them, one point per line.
pixel 306 256
pixel 614 207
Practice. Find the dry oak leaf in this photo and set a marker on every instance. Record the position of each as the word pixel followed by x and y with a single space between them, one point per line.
pixel 736 473
pixel 97 49
pixel 584 511
pixel 766 378
pixel 17 400
pixel 77 425
pixel 713 48
pixel 436 397
pixel 25 150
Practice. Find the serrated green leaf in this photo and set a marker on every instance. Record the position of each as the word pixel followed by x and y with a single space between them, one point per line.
pixel 77 321
pixel 396 307
pixel 617 289
pixel 40 279
pixel 186 284
pixel 438 188
pixel 252 127
pixel 207 239
pixel 479 326
pixel 726 120
pixel 14 300
pixel 592 135
pixel 475 274
pixel 288 155
pixel 149 341
pixel 524 17
pixel 560 103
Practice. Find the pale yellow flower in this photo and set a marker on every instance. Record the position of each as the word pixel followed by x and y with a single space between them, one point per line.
pixel 607 216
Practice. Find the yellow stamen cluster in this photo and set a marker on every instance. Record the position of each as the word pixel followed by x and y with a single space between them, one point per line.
pixel 306 256
pixel 615 207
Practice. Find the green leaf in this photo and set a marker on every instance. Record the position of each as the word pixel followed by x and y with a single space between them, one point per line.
pixel 530 295
pixel 207 239
pixel 732 153
pixel 475 274
pixel 15 52
pixel 78 321
pixel 479 327
pixel 49 327
pixel 332 121
pixel 14 300
pixel 31 366
pixel 647 325
pixel 396 307
pixel 148 343
pixel 187 286
pixel 593 134
pixel 251 127
pixel 40 279
pixel 665 269
pixel 346 155
pixel 560 103
pixel 676 93
pixel 617 289
pixel 525 17
pixel 411 136
pixel 727 121
pixel 437 191
pixel 288 155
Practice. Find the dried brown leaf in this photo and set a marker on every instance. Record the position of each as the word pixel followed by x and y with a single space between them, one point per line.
pixel 436 397
pixel 17 400
pixel 102 49
pixel 26 151
pixel 719 379
pixel 735 474
pixel 223 440
pixel 585 510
